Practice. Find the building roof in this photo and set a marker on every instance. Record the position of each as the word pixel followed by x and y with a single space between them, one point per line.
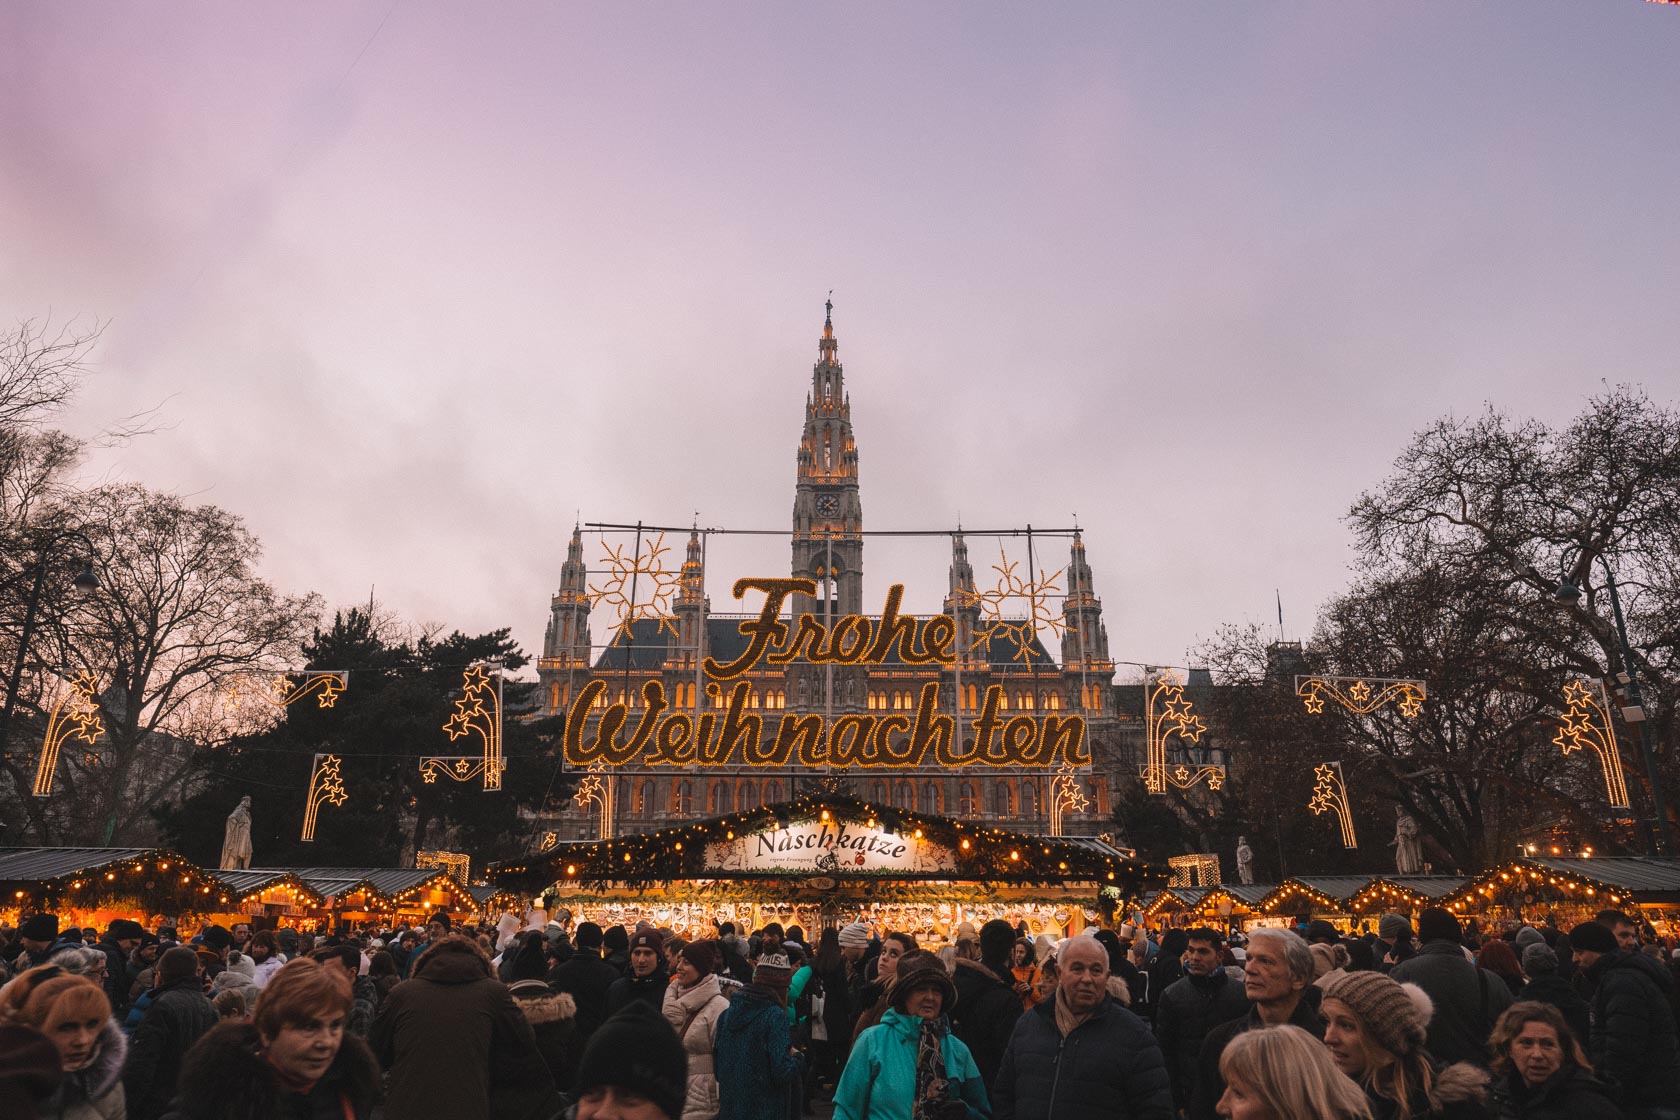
pixel 34 865
pixel 1634 874
pixel 648 644
pixel 252 882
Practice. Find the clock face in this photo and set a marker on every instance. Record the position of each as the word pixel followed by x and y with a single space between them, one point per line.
pixel 828 505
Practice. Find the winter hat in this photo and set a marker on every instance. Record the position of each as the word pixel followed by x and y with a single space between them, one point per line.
pixel 966 932
pixel 922 976
pixel 1322 932
pixel 124 929
pixel 243 965
pixel 1593 937
pixel 42 927
pixel 288 938
pixel 30 1071
pixel 440 918
pixel 529 960
pixel 218 938
pixel 1394 1016
pixel 588 935
pixel 1394 927
pixel 855 935
pixel 1527 936
pixel 1539 959
pixel 637 1050
pixel 703 955
pixel 773 971
pixel 648 939
pixel 1438 924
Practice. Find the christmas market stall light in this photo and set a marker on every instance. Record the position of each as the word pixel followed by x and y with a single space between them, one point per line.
pixel 93 885
pixel 1573 889
pixel 859 851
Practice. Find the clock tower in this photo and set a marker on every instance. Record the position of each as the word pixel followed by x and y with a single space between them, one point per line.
pixel 827 513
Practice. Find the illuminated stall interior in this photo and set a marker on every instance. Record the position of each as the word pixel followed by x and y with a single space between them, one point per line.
pixel 830 859
pixel 268 898
pixel 386 895
pixel 1573 890
pixel 91 886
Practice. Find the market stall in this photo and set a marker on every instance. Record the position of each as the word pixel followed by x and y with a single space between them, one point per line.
pixel 1568 891
pixel 1329 897
pixel 829 859
pixel 91 886
pixel 266 898
pixel 1404 894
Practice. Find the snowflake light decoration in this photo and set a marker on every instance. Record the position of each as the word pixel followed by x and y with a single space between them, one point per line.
pixel 623 591
pixel 1033 596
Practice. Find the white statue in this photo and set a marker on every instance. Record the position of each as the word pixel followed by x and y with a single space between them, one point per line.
pixel 236 843
pixel 1245 862
pixel 1407 845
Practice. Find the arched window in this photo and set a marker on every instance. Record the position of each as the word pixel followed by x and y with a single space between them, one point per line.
pixel 720 799
pixel 1027 700
pixel 873 700
pixel 644 796
pixel 1029 798
pixel 973 695
pixel 933 799
pixel 1002 803
pixel 747 796
pixel 878 793
pixel 970 795
pixel 781 699
pixel 554 696
pixel 1055 701
pixel 904 796
pixel 772 793
pixel 682 798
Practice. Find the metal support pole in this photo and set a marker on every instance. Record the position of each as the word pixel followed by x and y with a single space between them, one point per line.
pixel 1636 722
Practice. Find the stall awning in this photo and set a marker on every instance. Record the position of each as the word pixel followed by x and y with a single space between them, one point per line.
pixel 387 888
pixel 250 884
pixel 44 877
pixel 1609 881
pixel 831 839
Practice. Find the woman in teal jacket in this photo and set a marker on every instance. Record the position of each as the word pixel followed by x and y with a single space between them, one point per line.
pixel 910 1066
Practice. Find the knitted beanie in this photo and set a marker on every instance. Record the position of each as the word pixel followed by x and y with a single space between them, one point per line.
pixel 703 955
pixel 1394 1016
pixel 773 971
pixel 1538 959
pixel 1394 927
pixel 1527 936
pixel 637 1050
pixel 855 936
pixel 1593 937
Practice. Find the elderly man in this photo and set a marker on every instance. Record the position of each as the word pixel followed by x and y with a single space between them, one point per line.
pixel 1080 1055
pixel 1278 981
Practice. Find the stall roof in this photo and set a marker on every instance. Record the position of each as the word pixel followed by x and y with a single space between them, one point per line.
pixel 1634 874
pixel 250 882
pixel 34 865
pixel 1249 894
pixel 385 883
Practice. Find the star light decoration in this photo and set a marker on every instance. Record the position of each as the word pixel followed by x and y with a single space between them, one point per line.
pixel 1586 723
pixel 1168 714
pixel 623 592
pixel 1330 795
pixel 326 685
pixel 1067 795
pixel 325 785
pixel 76 715
pixel 1356 694
pixel 595 790
pixel 1032 595
pixel 478 688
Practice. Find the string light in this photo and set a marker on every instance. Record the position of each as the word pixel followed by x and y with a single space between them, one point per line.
pixel 458 865
pixel 1198 870
pixel 1168 714
pixel 325 784
pixel 1067 795
pixel 1035 594
pixel 477 690
pixel 625 574
pixel 594 790
pixel 1586 723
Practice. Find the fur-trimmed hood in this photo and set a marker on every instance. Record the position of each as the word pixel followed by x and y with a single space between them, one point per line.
pixel 225 1078
pixel 542 1004
pixel 97 1079
pixel 1459 1083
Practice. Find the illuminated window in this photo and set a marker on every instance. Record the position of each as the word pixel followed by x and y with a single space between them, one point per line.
pixel 554 696
pixel 682 798
pixel 874 701
pixel 970 800
pixel 781 699
pixel 1054 701
pixel 973 695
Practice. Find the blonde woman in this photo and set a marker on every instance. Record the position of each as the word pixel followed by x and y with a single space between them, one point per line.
pixel 1375 1030
pixel 1284 1073
pixel 75 1016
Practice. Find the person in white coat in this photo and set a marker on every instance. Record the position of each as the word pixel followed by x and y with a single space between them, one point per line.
pixel 693 1003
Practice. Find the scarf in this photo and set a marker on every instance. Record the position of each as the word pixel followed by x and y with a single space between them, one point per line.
pixel 1066 1020
pixel 932 1089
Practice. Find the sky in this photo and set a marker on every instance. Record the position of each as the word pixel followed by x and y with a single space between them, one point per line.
pixel 418 286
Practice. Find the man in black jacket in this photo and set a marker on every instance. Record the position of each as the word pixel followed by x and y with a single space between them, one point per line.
pixel 1278 980
pixel 647 979
pixel 1080 1055
pixel 121 938
pixel 1191 1007
pixel 1468 1000
pixel 586 978
pixel 987 1006
pixel 1634 1041
pixel 178 1016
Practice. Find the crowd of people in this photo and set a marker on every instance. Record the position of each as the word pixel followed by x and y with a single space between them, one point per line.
pixel 546 1018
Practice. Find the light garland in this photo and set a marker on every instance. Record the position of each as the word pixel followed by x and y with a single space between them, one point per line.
pixel 477 690
pixel 1167 714
pixel 76 715
pixel 325 784
pixel 1586 723
pixel 1330 794
pixel 1034 593
pixel 326 685
pixel 457 864
pixel 1291 889
pixel 1523 874
pixel 619 590
pixel 1356 695
pixel 596 790
pixel 1198 870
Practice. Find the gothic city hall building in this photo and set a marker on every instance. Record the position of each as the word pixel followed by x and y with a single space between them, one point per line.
pixel 828 539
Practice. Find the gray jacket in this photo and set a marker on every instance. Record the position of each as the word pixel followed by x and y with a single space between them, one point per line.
pixel 1468 1001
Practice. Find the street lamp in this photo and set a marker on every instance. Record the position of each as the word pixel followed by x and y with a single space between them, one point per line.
pixel 1633 714
pixel 85 583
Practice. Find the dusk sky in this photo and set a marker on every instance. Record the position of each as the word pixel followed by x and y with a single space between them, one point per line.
pixel 418 285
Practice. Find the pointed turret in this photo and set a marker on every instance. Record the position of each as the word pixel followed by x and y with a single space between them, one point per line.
pixel 566 640
pixel 960 598
pixel 1085 658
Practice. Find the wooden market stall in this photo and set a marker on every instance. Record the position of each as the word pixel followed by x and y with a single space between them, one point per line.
pixel 1329 897
pixel 1568 891
pixel 829 859
pixel 1404 894
pixel 91 886
pixel 266 898
pixel 384 895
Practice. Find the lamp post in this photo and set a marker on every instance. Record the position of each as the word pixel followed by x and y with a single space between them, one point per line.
pixel 1634 713
pixel 85 583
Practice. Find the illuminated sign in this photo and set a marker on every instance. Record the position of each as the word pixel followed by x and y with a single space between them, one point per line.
pixel 829 847
pixel 900 740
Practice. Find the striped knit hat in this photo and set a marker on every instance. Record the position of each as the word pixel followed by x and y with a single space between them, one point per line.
pixel 1394 1016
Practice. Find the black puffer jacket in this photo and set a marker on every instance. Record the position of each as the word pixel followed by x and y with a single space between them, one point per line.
pixel 1468 1000
pixel 1634 1042
pixel 178 1017
pixel 1185 1013
pixel 1570 1094
pixel 227 1079
pixel 984 1015
pixel 1108 1066
pixel 1459 1093
pixel 586 978
pixel 650 989
pixel 1549 987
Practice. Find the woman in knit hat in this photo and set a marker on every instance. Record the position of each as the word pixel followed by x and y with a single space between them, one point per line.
pixel 1540 1071
pixel 694 1003
pixel 910 1066
pixel 1284 1073
pixel 1375 1030
pixel 756 1065
pixel 75 1016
